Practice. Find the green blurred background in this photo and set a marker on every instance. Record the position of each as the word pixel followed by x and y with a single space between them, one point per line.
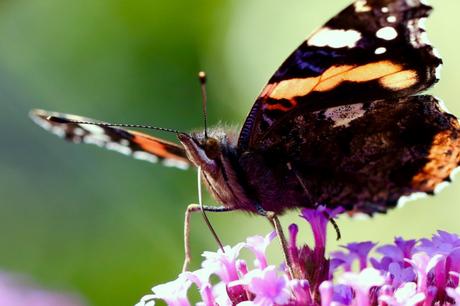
pixel 80 219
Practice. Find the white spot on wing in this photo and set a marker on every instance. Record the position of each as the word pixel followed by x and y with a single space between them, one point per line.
pixel 440 187
pixel 424 39
pixel 93 129
pixel 334 38
pixel 41 122
pixel 114 146
pixel 438 71
pixel 418 36
pixel 412 197
pixel 343 115
pixel 141 155
pixel 387 33
pixel 175 163
pixel 454 173
pixel 436 53
pixel 98 137
pixel 384 9
pixel 361 6
pixel 56 130
pixel 124 142
pixel 380 50
pixel 422 23
pixel 442 106
pixel 78 131
pixel 93 140
pixel 391 19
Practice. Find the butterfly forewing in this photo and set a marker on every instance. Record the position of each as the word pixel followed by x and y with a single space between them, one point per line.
pixel 132 143
pixel 371 50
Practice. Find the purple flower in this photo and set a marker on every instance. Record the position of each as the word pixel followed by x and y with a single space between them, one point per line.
pixel 318 219
pixel 383 264
pixel 453 266
pixel 406 246
pixel 326 290
pixel 147 300
pixel 307 263
pixel 342 259
pixel 454 293
pixel 360 250
pixel 393 252
pixel 406 295
pixel 201 279
pixel 221 295
pixel 442 243
pixel 293 250
pixel 431 293
pixel 301 291
pixel 174 293
pixel 223 263
pixel 17 291
pixel 242 267
pixel 422 264
pixel 343 294
pixel 267 285
pixel 362 282
pixel 258 245
pixel 400 274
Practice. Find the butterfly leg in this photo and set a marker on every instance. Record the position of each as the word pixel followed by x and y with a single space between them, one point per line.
pixel 336 227
pixel 273 218
pixel 194 208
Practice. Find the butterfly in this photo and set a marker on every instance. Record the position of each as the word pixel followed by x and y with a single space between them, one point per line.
pixel 341 123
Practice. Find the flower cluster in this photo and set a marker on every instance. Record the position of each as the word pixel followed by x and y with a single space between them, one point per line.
pixel 407 272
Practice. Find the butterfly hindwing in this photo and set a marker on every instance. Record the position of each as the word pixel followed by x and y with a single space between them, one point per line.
pixel 362 156
pixel 371 50
pixel 132 143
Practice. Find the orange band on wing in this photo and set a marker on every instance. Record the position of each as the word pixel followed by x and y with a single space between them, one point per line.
pixel 400 80
pixel 150 144
pixel 360 74
pixel 391 75
pixel 281 107
pixel 291 88
pixel 443 158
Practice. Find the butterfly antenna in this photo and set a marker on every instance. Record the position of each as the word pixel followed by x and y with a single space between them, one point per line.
pixel 202 77
pixel 140 126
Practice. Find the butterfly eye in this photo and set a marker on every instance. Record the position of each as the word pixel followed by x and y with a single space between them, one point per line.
pixel 212 148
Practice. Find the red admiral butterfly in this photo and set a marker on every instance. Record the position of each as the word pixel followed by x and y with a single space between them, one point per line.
pixel 339 123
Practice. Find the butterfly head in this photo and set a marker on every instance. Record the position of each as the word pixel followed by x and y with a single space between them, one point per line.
pixel 204 151
pixel 211 147
pixel 216 156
